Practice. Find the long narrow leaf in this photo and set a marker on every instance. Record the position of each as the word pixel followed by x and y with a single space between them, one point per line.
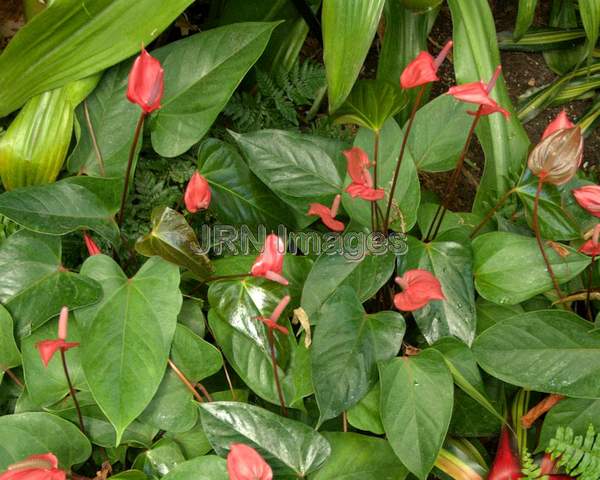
pixel 524 17
pixel 590 17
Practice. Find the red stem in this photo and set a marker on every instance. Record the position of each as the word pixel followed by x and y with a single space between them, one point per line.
pixel 14 378
pixel 588 303
pixel 136 137
pixel 72 390
pixel 276 373
pixel 185 381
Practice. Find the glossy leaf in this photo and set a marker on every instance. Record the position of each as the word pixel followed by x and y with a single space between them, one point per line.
pixel 238 196
pixel 97 427
pixel 331 272
pixel 255 368
pixel 72 39
pixel 174 240
pixel 547 350
pixel 576 413
pixel 26 434
pixel 438 134
pixel 509 268
pixel 407 194
pixel 348 30
pixel 294 166
pixel 113 120
pixel 452 264
pixel 489 313
pixel 366 414
pixel 525 16
pixel 10 356
pixel 35 286
pixel 290 447
pixel 65 206
pixel 416 407
pixel 48 385
pixel 371 103
pixel 201 74
pixel 163 458
pixel 126 337
pixel 347 344
pixel 173 408
pixel 359 457
pixel 476 56
pixel 209 467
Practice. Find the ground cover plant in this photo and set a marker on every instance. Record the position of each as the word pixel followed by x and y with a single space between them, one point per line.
pixel 246 239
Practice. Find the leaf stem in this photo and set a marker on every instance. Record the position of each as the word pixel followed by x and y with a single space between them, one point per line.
pixel 204 391
pixel 588 303
pixel 345 421
pixel 90 126
pixel 538 237
pixel 276 373
pixel 409 126
pixel 438 218
pixel 63 359
pixel 13 377
pixel 229 382
pixel 491 212
pixel 136 137
pixel 374 206
pixel 185 381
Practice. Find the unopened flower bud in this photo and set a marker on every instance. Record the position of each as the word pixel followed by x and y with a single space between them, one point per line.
pixel 556 158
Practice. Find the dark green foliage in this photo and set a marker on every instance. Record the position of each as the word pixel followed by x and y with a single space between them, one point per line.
pixel 579 455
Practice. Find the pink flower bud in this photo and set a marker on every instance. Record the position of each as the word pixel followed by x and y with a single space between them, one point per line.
pixel 556 159
pixel 561 122
pixel 245 463
pixel 63 323
pixel 589 198
pixel 92 248
pixel 146 84
pixel 197 193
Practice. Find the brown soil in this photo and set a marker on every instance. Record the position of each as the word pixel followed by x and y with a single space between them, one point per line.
pixel 11 19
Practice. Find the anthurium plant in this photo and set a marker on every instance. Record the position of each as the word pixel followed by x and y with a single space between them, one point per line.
pixel 219 258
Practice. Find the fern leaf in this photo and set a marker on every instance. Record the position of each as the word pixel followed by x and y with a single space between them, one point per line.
pixel 578 455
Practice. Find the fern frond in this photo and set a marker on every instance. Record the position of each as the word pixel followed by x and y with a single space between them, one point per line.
pixel 578 455
pixel 530 468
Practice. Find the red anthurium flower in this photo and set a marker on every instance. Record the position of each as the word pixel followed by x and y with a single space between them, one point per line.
pixel 47 348
pixel 197 193
pixel 479 94
pixel 362 182
pixel 269 263
pixel 328 214
pixel 423 69
pixel 507 465
pixel 271 322
pixel 418 288
pixel 589 198
pixel 146 84
pixel 245 463
pixel 561 122
pixel 35 467
pixel 92 248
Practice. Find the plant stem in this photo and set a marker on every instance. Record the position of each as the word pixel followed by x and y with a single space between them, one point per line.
pixel 538 410
pixel 409 125
pixel 185 381
pixel 345 421
pixel 276 373
pixel 538 237
pixel 90 126
pixel 136 137
pixel 204 391
pixel 13 377
pixel 491 212
pixel 310 19
pixel 374 209
pixel 588 303
pixel 443 207
pixel 229 382
pixel 72 390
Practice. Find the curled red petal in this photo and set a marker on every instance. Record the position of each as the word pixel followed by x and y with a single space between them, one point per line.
pixel 320 210
pixel 197 193
pixel 47 348
pixel 588 197
pixel 358 164
pixel 419 288
pixel 422 70
pixel 270 261
pixel 475 92
pixel 245 463
pixel 561 122
pixel 507 465
pixel 91 246
pixel 146 82
pixel 366 193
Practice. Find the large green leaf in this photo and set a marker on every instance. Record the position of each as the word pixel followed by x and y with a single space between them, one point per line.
pixel 174 408
pixel 9 353
pixel 590 17
pixel 201 74
pixel 126 337
pixel 209 467
pixel 290 447
pixel 476 56
pixel 563 15
pixel 548 350
pixel 347 344
pixel 509 268
pixel 451 262
pixel 407 194
pixel 366 414
pixel 164 456
pixel 348 30
pixel 438 134
pixel 576 413
pixel 113 120
pixel 97 427
pixel 173 239
pixel 255 367
pixel 525 17
pixel 238 196
pixel 65 206
pixel 34 433
pixel 72 39
pixel 296 167
pixel 416 407
pixel 330 272
pixel 34 284
pixel 358 457
pixel 49 385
